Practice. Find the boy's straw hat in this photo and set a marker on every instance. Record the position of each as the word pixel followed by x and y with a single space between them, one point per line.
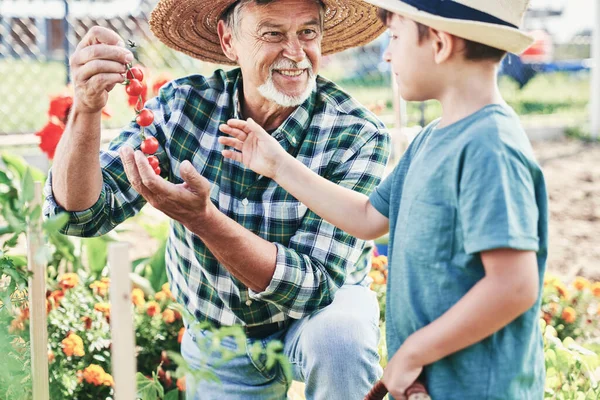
pixel 492 22
pixel 190 26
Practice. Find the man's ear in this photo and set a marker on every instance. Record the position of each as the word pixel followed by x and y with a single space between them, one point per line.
pixel 226 39
pixel 442 44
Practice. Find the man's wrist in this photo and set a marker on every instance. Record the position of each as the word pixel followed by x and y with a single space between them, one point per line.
pixel 206 222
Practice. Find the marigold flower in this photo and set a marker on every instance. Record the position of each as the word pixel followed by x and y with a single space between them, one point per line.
pixel 68 280
pixel 104 308
pixel 137 296
pixel 73 345
pixel 100 288
pixel 51 356
pixel 553 308
pixel 569 315
pixel 108 380
pixel 181 384
pixel 153 308
pixel 167 290
pixel 378 277
pixel 57 296
pixel 16 325
pixel 168 316
pixel 94 374
pixel 581 283
pixel 596 289
pixel 182 332
pixel 562 289
pixel 106 281
pixel 160 296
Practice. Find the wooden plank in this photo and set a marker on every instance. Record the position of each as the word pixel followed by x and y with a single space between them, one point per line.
pixel 38 325
pixel 595 89
pixel 121 322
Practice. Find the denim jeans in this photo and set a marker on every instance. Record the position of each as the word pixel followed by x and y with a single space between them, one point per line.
pixel 334 352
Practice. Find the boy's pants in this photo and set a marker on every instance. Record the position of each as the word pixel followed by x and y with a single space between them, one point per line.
pixel 334 351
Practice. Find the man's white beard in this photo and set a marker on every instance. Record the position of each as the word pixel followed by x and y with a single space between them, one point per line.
pixel 270 92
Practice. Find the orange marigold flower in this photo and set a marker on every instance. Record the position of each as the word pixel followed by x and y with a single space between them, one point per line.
pixel 51 356
pixel 161 296
pixel 68 280
pixel 105 280
pixel 108 380
pixel 153 308
pixel 181 384
pixel 79 375
pixel 562 289
pixel 73 345
pixel 104 308
pixel 182 332
pixel 168 316
pixel 378 277
pixel 16 325
pixel 100 288
pixel 596 289
pixel 569 315
pixel 57 296
pixel 48 306
pixel 87 322
pixel 167 290
pixel 137 296
pixel 94 374
pixel 581 283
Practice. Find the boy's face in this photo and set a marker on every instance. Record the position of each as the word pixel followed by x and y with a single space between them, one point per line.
pixel 411 60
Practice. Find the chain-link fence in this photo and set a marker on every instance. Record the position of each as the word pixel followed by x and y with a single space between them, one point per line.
pixel 548 85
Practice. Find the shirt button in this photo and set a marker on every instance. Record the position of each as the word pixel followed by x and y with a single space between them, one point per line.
pixel 293 140
pixel 248 303
pixel 245 202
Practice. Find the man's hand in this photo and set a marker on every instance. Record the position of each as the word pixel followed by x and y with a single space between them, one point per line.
pixel 257 150
pixel 400 374
pixel 188 203
pixel 97 65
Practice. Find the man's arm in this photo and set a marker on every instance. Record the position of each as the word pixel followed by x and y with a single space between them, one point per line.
pixel 509 288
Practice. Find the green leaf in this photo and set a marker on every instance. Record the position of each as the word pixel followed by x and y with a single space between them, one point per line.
pixel 56 223
pixel 35 214
pixel 172 395
pixel 27 187
pixel 97 251
pixel 146 388
pixel 19 166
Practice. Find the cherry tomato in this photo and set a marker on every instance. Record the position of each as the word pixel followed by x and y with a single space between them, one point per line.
pixel 153 161
pixel 157 170
pixel 135 73
pixel 145 117
pixel 134 88
pixel 149 145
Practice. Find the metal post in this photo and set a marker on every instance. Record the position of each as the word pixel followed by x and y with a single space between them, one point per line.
pixel 595 89
pixel 66 44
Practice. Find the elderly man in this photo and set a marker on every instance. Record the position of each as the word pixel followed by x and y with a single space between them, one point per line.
pixel 241 250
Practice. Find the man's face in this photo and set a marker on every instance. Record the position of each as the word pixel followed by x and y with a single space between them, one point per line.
pixel 278 46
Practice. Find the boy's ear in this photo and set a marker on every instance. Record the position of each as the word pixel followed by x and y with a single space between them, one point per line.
pixel 443 45
pixel 226 39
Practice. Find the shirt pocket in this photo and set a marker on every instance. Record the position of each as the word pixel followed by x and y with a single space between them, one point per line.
pixel 429 232
pixel 282 220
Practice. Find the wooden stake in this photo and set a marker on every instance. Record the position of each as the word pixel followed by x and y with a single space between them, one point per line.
pixel 38 325
pixel 121 323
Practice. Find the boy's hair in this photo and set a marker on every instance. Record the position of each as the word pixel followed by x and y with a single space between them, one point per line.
pixel 473 51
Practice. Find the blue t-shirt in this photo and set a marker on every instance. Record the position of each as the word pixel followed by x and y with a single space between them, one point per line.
pixel 460 190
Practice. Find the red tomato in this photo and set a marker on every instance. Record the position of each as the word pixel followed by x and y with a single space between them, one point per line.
pixel 153 161
pixel 135 73
pixel 134 88
pixel 145 117
pixel 157 170
pixel 149 145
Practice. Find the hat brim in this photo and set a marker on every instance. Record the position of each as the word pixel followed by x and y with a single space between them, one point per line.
pixel 501 37
pixel 191 26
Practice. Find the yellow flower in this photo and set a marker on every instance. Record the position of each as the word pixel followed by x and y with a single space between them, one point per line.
pixel 569 315
pixel 168 316
pixel 73 345
pixel 68 280
pixel 581 283
pixel 562 289
pixel 105 281
pixel 167 290
pixel 153 308
pixel 104 308
pixel 596 289
pixel 108 380
pixel 137 296
pixel 161 296
pixel 100 288
pixel 378 277
pixel 94 374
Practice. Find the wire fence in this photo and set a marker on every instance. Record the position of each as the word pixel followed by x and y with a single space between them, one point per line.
pixel 548 85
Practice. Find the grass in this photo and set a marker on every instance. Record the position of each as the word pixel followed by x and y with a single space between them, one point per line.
pixel 27 85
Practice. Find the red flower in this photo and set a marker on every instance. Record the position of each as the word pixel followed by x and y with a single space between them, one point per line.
pixel 60 106
pixel 159 82
pixel 50 135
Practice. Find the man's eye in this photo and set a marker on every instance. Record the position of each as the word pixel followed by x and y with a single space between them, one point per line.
pixel 272 36
pixel 309 34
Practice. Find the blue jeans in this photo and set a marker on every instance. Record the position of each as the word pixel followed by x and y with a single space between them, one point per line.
pixel 334 352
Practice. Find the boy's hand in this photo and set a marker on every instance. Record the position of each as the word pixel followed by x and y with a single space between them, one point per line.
pixel 256 149
pixel 400 374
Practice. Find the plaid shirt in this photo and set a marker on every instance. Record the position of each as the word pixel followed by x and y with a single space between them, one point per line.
pixel 330 133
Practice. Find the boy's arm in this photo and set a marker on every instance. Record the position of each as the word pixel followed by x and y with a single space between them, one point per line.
pixel 509 288
pixel 348 210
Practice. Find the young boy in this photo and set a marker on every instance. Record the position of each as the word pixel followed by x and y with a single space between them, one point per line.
pixel 466 208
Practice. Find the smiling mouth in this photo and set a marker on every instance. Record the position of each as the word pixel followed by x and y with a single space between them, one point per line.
pixel 290 72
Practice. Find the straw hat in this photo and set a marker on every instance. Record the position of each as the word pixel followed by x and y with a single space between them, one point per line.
pixel 492 22
pixel 190 26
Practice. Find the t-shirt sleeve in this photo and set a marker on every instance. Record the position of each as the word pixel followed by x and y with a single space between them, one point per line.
pixel 380 198
pixel 497 199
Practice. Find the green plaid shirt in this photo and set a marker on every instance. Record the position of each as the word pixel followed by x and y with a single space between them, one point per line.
pixel 330 133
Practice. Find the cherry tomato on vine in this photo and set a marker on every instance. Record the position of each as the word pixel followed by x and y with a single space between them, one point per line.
pixel 134 88
pixel 149 145
pixel 153 161
pixel 157 170
pixel 145 117
pixel 135 73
